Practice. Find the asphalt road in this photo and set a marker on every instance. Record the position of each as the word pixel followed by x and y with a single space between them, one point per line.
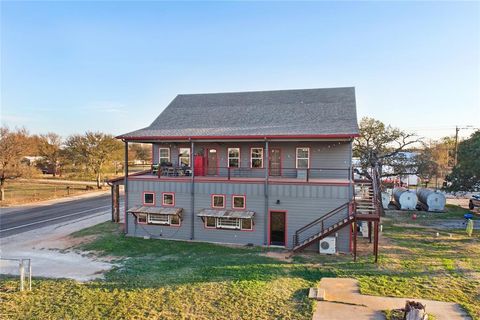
pixel 20 220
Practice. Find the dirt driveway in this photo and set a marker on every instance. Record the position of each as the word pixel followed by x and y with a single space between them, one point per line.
pixel 48 249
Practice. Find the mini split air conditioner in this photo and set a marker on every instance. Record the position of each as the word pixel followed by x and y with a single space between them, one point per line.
pixel 328 245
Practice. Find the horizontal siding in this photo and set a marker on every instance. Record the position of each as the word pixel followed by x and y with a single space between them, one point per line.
pixel 303 204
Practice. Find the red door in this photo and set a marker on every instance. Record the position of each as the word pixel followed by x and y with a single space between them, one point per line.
pixel 212 162
pixel 275 162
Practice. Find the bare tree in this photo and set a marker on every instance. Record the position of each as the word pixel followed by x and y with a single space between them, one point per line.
pixel 14 145
pixel 380 145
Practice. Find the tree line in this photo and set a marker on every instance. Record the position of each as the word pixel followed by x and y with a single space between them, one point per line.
pixel 91 154
pixel 396 152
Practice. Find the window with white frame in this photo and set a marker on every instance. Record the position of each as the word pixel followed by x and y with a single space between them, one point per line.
pixel 256 157
pixel 218 201
pixel 233 157
pixel 175 220
pixel 168 199
pixel 184 157
pixel 163 155
pixel 228 223
pixel 210 222
pixel 149 198
pixel 142 218
pixel 238 202
pixel 303 158
pixel 159 219
pixel 247 224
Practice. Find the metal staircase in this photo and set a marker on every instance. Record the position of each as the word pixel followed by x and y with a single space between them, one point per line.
pixel 365 206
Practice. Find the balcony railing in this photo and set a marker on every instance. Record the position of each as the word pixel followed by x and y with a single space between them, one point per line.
pixel 232 173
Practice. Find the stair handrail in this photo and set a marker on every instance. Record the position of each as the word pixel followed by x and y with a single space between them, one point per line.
pixel 318 221
pixel 376 190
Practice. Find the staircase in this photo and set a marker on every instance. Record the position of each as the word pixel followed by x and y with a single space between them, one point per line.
pixel 364 206
pixel 321 227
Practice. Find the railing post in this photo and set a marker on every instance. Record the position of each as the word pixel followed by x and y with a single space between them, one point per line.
pixel 228 173
pixel 308 174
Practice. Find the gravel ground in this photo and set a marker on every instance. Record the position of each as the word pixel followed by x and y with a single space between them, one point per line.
pixel 48 248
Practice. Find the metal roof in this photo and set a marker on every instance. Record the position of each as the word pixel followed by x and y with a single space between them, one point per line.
pixel 222 213
pixel 327 112
pixel 156 210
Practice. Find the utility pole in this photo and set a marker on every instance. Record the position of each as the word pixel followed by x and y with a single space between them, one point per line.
pixel 456 145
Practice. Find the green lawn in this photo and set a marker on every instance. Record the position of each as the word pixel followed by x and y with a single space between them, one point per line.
pixel 162 279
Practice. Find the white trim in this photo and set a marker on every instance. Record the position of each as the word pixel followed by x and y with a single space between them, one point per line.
pixel 227 226
pixel 228 157
pixel 297 158
pixel 160 157
pixel 189 156
pixel 252 158
pixel 167 222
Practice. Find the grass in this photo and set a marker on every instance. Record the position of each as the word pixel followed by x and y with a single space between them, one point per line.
pixel 179 280
pixel 17 192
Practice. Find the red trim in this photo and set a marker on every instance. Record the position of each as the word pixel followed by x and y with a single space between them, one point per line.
pixel 239 157
pixel 309 157
pixel 217 164
pixel 163 200
pixel 218 195
pixel 154 198
pixel 281 161
pixel 243 180
pixel 153 152
pixel 263 157
pixel 270 231
pixel 225 229
pixel 243 137
pixel 146 219
pixel 244 201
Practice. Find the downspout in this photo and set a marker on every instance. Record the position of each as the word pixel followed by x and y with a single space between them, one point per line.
pixel 125 188
pixel 192 191
pixel 267 166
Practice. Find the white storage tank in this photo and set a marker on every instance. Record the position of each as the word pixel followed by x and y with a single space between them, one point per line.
pixel 385 200
pixel 432 200
pixel 405 199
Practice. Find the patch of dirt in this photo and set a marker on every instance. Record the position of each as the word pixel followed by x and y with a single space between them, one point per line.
pixel 281 256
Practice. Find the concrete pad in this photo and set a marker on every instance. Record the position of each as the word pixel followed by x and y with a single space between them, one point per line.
pixel 344 301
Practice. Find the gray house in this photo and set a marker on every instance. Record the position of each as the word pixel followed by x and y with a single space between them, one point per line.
pixel 269 168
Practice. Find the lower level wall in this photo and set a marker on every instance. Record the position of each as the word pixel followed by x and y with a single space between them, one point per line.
pixel 301 203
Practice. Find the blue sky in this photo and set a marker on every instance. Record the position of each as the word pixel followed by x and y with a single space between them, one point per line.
pixel 112 66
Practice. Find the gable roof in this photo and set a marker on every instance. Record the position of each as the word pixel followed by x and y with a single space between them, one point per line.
pixel 327 113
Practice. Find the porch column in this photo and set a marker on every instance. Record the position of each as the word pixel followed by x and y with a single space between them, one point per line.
pixel 266 166
pixel 125 226
pixel 192 191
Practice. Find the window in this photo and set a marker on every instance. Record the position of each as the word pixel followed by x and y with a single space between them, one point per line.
pixel 158 219
pixel 233 157
pixel 163 155
pixel 218 201
pixel 303 158
pixel 149 198
pixel 256 157
pixel 184 157
pixel 247 224
pixel 168 199
pixel 228 223
pixel 142 218
pixel 238 202
pixel 175 220
pixel 210 222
